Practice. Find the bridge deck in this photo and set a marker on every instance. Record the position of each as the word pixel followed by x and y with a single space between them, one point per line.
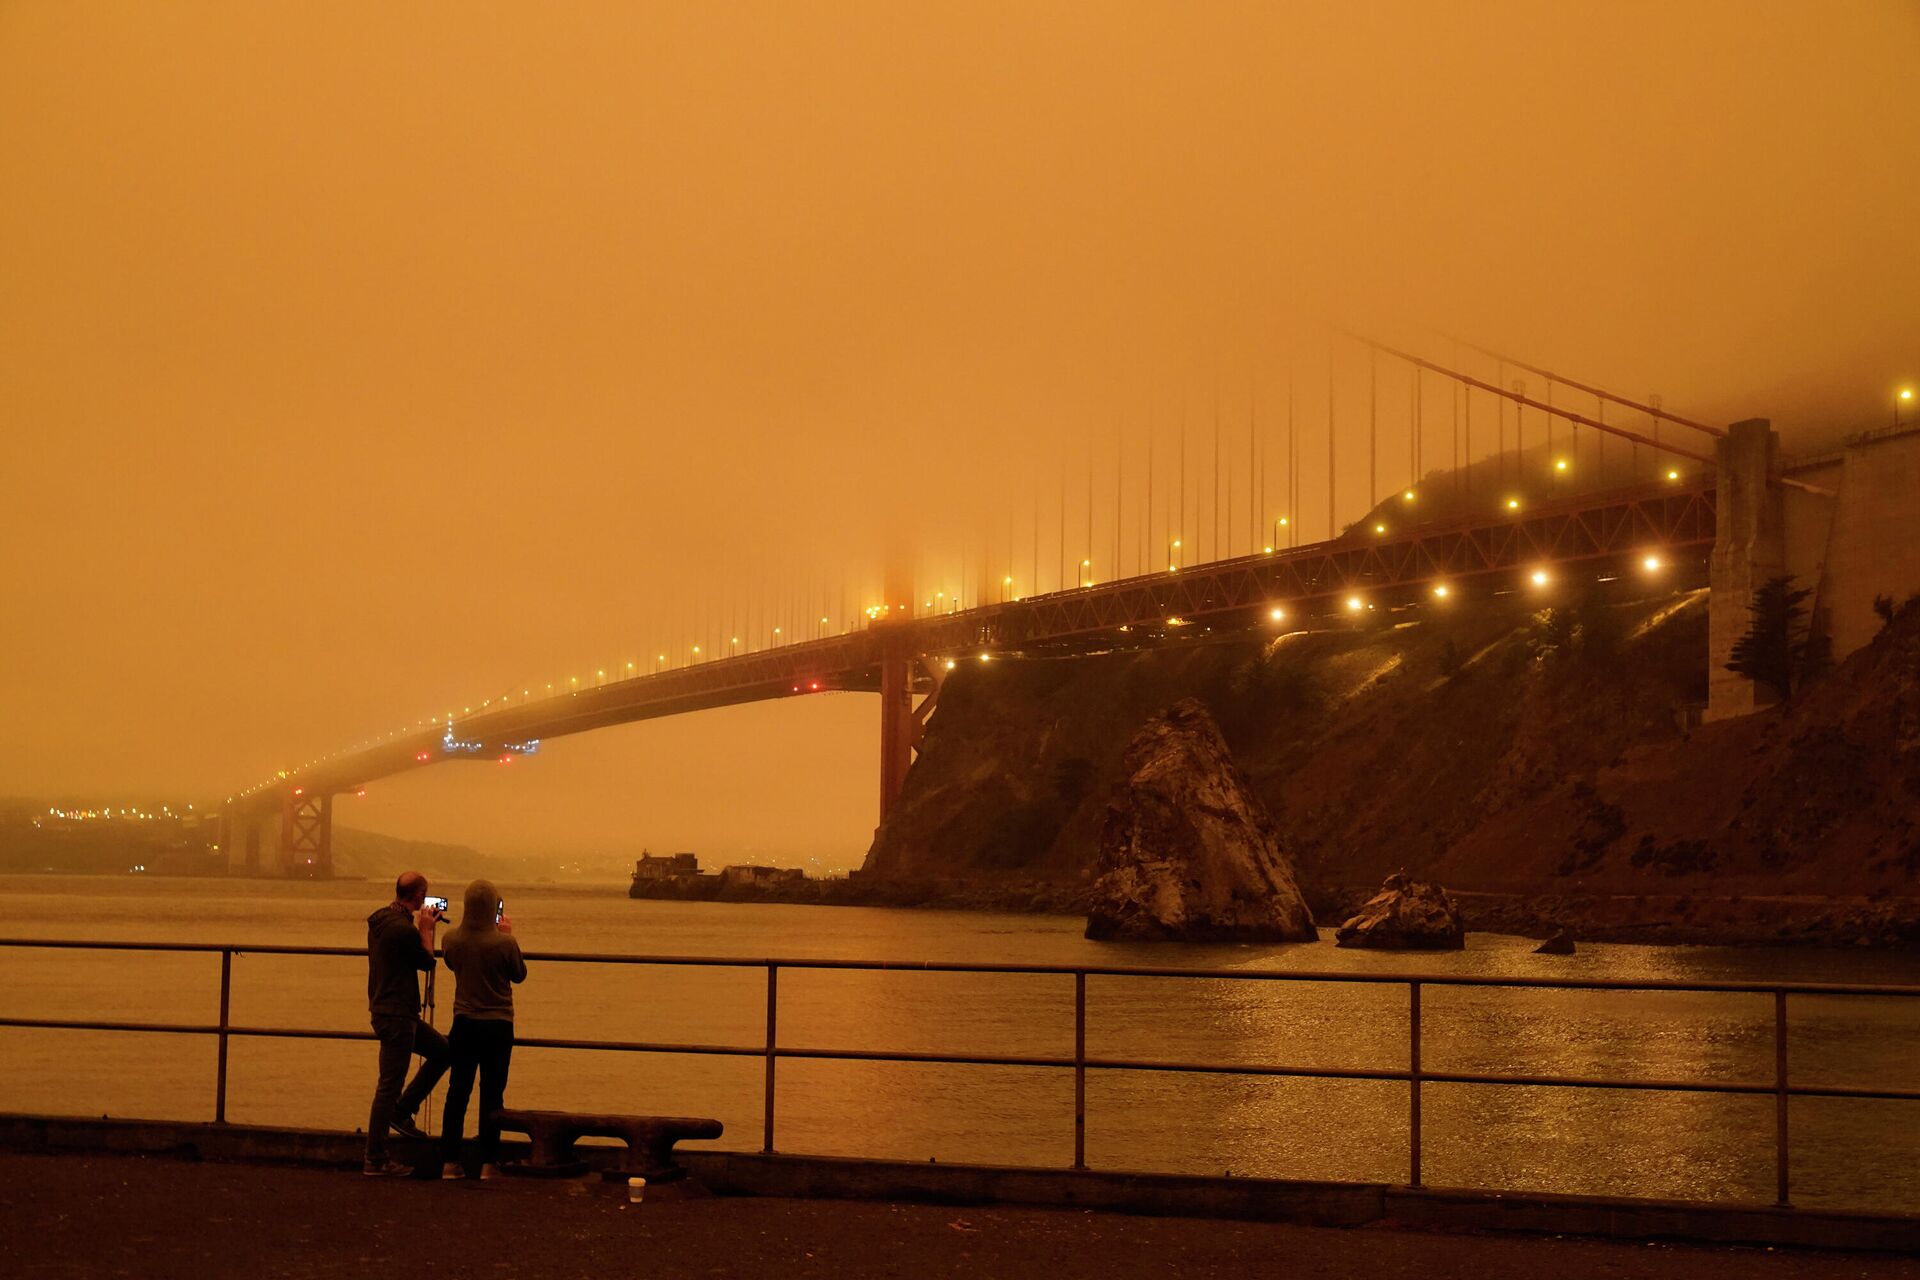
pixel 1589 528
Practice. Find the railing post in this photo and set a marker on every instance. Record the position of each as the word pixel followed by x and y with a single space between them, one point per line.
pixel 1780 1096
pixel 773 1005
pixel 1080 1070
pixel 220 1067
pixel 1413 1082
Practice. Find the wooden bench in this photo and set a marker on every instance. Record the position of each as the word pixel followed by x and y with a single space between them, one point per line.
pixel 649 1140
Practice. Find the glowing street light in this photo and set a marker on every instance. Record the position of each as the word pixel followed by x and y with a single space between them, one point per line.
pixel 1440 591
pixel 1651 564
pixel 1379 528
pixel 1513 504
pixel 1277 614
pixel 1407 496
pixel 1905 397
pixel 1540 578
pixel 1673 473
pixel 1560 464
pixel 1355 604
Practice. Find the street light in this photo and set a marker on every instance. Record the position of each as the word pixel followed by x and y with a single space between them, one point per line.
pixel 1904 397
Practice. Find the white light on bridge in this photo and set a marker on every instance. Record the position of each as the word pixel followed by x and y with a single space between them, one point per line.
pixel 1354 604
pixel 1440 591
pixel 1278 615
pixel 1652 564
pixel 1540 578
pixel 1379 528
pixel 1407 496
pixel 1673 473
pixel 1513 504
pixel 1560 464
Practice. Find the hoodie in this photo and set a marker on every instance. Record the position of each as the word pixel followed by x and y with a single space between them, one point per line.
pixel 395 959
pixel 485 962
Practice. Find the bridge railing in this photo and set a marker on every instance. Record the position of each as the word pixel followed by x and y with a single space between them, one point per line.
pixel 770 1051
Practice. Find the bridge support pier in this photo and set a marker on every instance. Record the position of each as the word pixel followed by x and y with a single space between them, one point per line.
pixel 306 835
pixel 1749 547
pixel 902 725
pixel 896 727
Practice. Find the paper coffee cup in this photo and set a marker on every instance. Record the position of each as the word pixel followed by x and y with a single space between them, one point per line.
pixel 636 1190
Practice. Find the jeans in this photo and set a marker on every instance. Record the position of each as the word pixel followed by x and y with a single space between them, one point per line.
pixel 485 1045
pixel 401 1038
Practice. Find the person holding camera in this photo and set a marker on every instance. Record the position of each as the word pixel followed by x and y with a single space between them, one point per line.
pixel 486 963
pixel 399 950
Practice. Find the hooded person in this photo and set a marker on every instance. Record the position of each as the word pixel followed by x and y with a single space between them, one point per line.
pixel 485 959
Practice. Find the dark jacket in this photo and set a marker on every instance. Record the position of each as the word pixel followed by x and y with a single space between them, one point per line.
pixel 485 962
pixel 395 959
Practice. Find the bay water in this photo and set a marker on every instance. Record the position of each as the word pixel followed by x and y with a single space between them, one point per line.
pixel 1859 1154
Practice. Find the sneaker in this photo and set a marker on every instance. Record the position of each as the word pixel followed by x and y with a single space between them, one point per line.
pixel 386 1169
pixel 406 1128
pixel 489 1171
pixel 451 1172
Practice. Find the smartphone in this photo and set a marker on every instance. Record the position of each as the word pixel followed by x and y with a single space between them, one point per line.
pixel 438 904
pixel 499 909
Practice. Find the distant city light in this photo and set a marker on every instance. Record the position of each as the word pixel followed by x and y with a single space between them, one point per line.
pixel 1407 496
pixel 1354 603
pixel 1652 563
pixel 1539 577
pixel 1673 473
pixel 1379 528
pixel 1278 615
pixel 1513 504
pixel 1440 590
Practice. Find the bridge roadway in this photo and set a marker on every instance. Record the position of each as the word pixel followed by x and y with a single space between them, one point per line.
pixel 899 659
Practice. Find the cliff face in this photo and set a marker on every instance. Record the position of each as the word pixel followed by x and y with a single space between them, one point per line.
pixel 1492 747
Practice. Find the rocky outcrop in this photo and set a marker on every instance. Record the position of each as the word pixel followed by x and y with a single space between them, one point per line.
pixel 1558 945
pixel 1406 915
pixel 1188 852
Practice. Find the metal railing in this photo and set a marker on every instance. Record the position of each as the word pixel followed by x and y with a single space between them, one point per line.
pixel 1415 1076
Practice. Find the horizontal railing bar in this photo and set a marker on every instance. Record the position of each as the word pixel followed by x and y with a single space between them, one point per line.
pixel 1013 1060
pixel 1097 971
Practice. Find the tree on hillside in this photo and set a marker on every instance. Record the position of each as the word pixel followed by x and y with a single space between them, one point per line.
pixel 1780 650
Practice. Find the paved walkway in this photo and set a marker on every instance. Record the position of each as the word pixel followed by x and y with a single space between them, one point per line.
pixel 99 1216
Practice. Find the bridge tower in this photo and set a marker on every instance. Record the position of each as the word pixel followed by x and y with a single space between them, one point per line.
pixel 306 834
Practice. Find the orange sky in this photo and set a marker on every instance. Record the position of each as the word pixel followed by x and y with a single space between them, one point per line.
pixel 357 360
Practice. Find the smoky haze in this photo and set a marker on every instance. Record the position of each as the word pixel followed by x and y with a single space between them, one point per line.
pixel 360 363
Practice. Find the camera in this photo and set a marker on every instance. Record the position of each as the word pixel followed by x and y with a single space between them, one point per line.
pixel 438 904
pixel 499 909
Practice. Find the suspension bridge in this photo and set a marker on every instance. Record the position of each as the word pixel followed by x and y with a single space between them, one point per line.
pixel 1713 507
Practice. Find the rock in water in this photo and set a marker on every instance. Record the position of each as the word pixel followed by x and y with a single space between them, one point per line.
pixel 1188 852
pixel 1558 945
pixel 1406 915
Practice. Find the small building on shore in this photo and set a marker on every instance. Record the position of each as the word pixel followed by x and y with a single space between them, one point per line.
pixel 668 866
